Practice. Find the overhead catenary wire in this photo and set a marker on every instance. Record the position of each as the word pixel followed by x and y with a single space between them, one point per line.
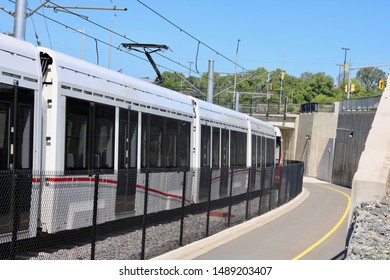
pixel 120 35
pixel 97 40
pixel 47 30
pixel 192 36
pixel 199 43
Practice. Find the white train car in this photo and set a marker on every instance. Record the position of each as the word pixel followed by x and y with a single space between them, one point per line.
pixel 261 147
pixel 77 117
pixel 98 119
pixel 20 135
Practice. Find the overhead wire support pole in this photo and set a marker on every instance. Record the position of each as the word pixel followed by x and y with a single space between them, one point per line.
pixel 20 19
pixel 349 79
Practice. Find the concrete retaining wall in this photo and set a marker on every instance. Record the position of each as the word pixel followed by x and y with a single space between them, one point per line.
pixel 371 181
pixel 316 132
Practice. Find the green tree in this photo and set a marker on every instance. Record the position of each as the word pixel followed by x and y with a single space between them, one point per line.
pixel 369 78
pixel 319 85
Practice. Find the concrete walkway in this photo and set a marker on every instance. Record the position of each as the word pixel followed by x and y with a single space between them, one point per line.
pixel 312 226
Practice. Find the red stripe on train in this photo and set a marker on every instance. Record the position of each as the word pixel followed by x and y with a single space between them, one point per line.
pixel 164 194
pixel 113 182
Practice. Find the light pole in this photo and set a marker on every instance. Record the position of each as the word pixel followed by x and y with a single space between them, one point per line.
pixel 339 76
pixel 345 62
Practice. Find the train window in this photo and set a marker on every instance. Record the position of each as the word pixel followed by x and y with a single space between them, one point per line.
pixel 133 139
pixel 123 151
pixel 166 142
pixel 104 137
pixel 89 135
pixel 77 126
pixel 18 154
pixel 24 136
pixel 183 150
pixel 145 140
pixel 258 152
pixel 4 136
pixel 254 147
pixel 205 146
pixel 238 148
pixel 128 124
pixel 216 144
pixel 16 150
pixel 127 154
pixel 171 136
pixel 225 147
pixel 156 141
pixel 270 152
pixel 263 151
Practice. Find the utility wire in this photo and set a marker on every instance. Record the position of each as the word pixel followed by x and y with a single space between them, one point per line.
pixel 120 35
pixel 190 35
pixel 47 29
pixel 123 50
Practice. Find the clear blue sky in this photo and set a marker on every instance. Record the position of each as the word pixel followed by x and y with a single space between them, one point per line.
pixel 299 36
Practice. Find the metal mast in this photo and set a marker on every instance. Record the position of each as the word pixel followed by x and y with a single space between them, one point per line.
pixel 20 19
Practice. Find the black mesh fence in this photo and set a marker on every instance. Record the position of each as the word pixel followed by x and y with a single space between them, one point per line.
pixel 130 214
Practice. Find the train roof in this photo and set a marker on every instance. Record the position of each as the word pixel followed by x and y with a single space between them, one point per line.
pixel 84 77
pixel 220 116
pixel 278 132
pixel 262 127
pixel 19 61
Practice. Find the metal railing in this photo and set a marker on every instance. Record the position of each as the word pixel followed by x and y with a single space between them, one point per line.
pixel 317 107
pixel 46 215
pixel 361 104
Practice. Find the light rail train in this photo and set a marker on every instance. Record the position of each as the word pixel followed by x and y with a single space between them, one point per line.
pixel 64 117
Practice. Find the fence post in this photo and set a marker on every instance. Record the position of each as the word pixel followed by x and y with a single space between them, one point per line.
pixel 279 169
pixel 230 197
pixel 248 194
pixel 261 190
pixel 209 203
pixel 271 186
pixel 15 212
pixel 94 215
pixel 144 224
pixel 183 199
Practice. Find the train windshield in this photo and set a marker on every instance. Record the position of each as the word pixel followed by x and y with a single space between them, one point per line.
pixel 278 156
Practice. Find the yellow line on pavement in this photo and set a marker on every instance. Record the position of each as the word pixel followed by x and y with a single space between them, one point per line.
pixel 332 230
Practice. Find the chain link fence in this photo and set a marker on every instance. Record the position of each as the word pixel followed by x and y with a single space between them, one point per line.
pixel 130 214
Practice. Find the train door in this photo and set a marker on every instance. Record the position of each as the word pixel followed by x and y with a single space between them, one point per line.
pixel 223 188
pixel 16 151
pixel 205 169
pixel 127 167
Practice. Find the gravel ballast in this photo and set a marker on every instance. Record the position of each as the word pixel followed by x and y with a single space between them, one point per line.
pixel 370 239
